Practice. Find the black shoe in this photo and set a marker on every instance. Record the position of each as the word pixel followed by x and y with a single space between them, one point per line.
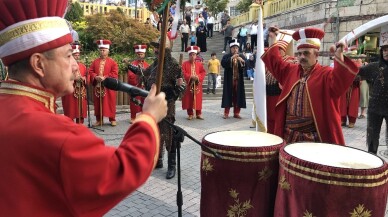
pixel 170 172
pixel 207 92
pixel 159 164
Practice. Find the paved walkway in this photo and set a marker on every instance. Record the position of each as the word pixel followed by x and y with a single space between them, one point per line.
pixel 157 196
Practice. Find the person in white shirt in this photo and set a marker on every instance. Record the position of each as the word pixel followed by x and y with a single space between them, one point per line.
pixel 253 33
pixel 210 24
pixel 185 30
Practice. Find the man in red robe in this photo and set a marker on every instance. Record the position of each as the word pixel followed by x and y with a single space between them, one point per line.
pixel 193 73
pixel 50 165
pixel 74 104
pixel 137 79
pixel 273 88
pixel 104 99
pixel 308 106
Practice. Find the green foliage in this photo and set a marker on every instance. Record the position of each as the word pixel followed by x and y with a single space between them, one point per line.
pixel 123 31
pixel 243 5
pixel 216 6
pixel 75 13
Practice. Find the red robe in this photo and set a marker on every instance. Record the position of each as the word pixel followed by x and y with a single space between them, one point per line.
pixel 133 79
pixel 187 99
pixel 325 86
pixel 54 167
pixel 70 103
pixel 350 102
pixel 271 102
pixel 109 100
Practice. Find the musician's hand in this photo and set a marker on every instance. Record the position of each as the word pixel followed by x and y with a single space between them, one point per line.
pixel 155 105
pixel 179 81
pixel 125 60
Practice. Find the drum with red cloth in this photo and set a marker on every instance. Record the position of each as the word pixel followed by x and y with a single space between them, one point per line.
pixel 325 180
pixel 244 181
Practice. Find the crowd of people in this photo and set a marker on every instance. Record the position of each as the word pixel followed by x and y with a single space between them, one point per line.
pixel 75 173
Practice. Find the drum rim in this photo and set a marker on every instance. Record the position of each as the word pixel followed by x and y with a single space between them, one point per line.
pixel 382 160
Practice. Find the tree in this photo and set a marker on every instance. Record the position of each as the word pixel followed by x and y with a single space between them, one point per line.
pixel 75 13
pixel 216 6
pixel 124 32
pixel 243 5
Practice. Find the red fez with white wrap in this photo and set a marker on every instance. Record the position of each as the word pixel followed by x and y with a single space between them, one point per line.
pixel 103 43
pixel 192 49
pixel 308 38
pixel 140 48
pixel 76 48
pixel 31 26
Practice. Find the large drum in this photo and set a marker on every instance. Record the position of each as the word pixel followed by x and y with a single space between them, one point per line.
pixel 244 181
pixel 324 180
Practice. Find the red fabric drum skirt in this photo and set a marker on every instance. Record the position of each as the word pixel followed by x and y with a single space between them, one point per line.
pixel 325 180
pixel 244 181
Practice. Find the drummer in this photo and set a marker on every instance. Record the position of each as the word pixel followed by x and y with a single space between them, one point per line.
pixel 308 104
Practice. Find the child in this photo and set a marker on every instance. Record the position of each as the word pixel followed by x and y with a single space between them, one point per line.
pixel 192 39
pixel 214 67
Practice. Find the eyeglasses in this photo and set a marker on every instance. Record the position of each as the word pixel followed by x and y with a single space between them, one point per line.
pixel 305 53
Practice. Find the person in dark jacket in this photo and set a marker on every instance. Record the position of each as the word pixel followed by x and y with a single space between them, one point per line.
pixel 376 74
pixel 233 90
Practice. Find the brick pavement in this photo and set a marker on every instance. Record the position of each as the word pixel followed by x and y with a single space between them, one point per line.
pixel 157 196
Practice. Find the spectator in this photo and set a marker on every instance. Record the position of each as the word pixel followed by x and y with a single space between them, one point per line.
pixel 228 33
pixel 154 19
pixel 201 36
pixel 253 34
pixel 224 19
pixel 243 33
pixel 188 16
pixel 214 67
pixel 210 25
pixel 251 67
pixel 248 49
pixel 184 30
pixel 205 15
pixel 193 39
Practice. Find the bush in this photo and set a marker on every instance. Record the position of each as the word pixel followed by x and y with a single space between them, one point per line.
pixel 123 31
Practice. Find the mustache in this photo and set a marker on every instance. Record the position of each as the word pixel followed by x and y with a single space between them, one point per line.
pixel 303 61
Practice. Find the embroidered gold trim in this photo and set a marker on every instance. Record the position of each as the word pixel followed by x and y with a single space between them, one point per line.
pixel 339 183
pixel 318 172
pixel 308 214
pixel 16 89
pixel 360 212
pixel 239 209
pixel 244 153
pixel 283 184
pixel 243 160
pixel 312 109
pixel 265 173
pixel 31 27
pixel 22 93
pixel 207 166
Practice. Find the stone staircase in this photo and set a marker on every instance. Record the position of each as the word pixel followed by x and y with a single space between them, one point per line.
pixel 214 44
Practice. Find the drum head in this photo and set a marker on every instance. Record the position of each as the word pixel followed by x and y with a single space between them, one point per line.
pixel 243 138
pixel 334 155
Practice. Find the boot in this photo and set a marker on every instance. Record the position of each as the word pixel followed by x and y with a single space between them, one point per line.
pixel 159 164
pixel 171 169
